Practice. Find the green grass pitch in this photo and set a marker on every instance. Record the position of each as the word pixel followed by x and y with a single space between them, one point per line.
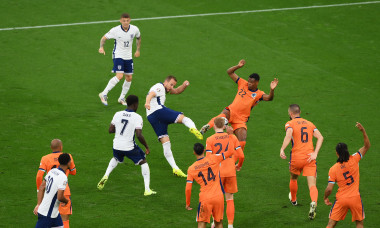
pixel 326 59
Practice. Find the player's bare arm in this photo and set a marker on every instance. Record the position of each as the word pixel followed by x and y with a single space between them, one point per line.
pixel 112 129
pixel 270 96
pixel 287 139
pixel 189 186
pixel 141 139
pixel 149 98
pixel 61 197
pixel 138 44
pixel 180 88
pixel 328 191
pixel 40 196
pixel 102 42
pixel 367 144
pixel 231 70
pixel 313 156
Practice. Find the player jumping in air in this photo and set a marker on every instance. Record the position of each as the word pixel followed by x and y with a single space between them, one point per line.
pixel 303 155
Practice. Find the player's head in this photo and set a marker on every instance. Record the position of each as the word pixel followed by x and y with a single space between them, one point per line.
pixel 294 110
pixel 220 123
pixel 170 82
pixel 64 160
pixel 133 102
pixel 253 81
pixel 56 145
pixel 125 19
pixel 198 149
pixel 342 152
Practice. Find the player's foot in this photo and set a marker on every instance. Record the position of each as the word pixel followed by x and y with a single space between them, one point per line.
pixel 204 129
pixel 102 182
pixel 196 133
pixel 313 210
pixel 294 203
pixel 122 101
pixel 179 173
pixel 149 192
pixel 103 98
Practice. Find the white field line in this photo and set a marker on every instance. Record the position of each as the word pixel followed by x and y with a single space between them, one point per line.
pixel 194 15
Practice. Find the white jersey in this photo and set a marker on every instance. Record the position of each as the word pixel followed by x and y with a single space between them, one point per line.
pixel 56 180
pixel 158 101
pixel 126 122
pixel 123 41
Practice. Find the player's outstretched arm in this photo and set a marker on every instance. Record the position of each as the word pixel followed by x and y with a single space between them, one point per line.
pixel 328 191
pixel 367 144
pixel 141 139
pixel 288 137
pixel 149 98
pixel 273 85
pixel 313 156
pixel 231 70
pixel 180 88
pixel 138 44
pixel 101 48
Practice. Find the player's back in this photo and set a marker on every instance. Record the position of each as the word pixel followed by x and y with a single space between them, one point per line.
pixel 126 122
pixel 302 140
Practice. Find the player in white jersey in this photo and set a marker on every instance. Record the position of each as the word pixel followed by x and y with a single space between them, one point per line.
pixel 51 192
pixel 122 56
pixel 125 124
pixel 160 116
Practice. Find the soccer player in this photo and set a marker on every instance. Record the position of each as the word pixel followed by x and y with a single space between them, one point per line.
pixel 122 56
pixel 346 174
pixel 49 162
pixel 51 192
pixel 247 97
pixel 303 155
pixel 160 116
pixel 217 143
pixel 205 171
pixel 125 124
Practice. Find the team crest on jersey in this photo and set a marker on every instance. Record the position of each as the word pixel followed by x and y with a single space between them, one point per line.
pixel 253 95
pixel 131 36
pixel 119 67
pixel 158 89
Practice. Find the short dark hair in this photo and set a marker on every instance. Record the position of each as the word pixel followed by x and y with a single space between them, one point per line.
pixel 255 76
pixel 219 122
pixel 343 153
pixel 132 99
pixel 170 77
pixel 295 108
pixel 64 159
pixel 199 148
pixel 125 15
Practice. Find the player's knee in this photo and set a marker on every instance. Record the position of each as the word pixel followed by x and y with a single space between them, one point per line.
pixel 128 77
pixel 142 162
pixel 119 76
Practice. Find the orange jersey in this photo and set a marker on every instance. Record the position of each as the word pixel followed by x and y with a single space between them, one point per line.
pixel 245 100
pixel 347 176
pixel 302 138
pixel 49 162
pixel 223 142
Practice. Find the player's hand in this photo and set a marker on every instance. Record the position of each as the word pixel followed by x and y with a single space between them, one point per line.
pixel 327 202
pixel 238 168
pixel 147 106
pixel 241 63
pixel 186 83
pixel 282 154
pixel 101 51
pixel 35 211
pixel 274 83
pixel 229 130
pixel 137 54
pixel 359 126
pixel 147 151
pixel 189 208
pixel 313 156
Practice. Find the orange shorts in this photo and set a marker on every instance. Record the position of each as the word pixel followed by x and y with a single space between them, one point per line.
pixel 67 209
pixel 229 184
pixel 236 120
pixel 342 205
pixel 307 169
pixel 214 207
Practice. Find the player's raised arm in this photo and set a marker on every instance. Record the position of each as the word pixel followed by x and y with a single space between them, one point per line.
pixel 149 98
pixel 102 42
pixel 142 140
pixel 231 70
pixel 288 137
pixel 270 96
pixel 138 45
pixel 367 144
pixel 180 88
pixel 328 191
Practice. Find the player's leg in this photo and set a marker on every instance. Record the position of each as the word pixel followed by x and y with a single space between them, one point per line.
pixel 331 223
pixel 202 224
pixel 357 210
pixel 190 124
pixel 230 210
pixel 359 224
pixel 293 187
pixel 225 113
pixel 310 171
pixel 312 182
pixel 168 153
pixel 240 131
pixel 111 83
pixel 128 69
pixel 65 220
pixel 118 156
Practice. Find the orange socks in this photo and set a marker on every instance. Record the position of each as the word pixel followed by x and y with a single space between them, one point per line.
pixel 211 123
pixel 66 224
pixel 293 186
pixel 230 211
pixel 314 193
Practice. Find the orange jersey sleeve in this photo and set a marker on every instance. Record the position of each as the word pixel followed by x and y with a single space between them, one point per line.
pixel 189 185
pixel 302 138
pixel 72 169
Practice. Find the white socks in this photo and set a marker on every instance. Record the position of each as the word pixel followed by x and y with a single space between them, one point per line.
pixel 169 155
pixel 113 163
pixel 188 122
pixel 112 82
pixel 146 175
pixel 124 91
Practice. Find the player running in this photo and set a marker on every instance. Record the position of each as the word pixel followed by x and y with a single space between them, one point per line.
pixel 122 56
pixel 346 174
pixel 205 171
pixel 247 97
pixel 160 116
pixel 125 124
pixel 222 142
pixel 51 192
pixel 303 155
pixel 49 162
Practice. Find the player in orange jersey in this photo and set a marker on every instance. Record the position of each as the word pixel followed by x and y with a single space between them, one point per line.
pixel 247 97
pixel 205 171
pixel 222 142
pixel 49 162
pixel 346 174
pixel 303 155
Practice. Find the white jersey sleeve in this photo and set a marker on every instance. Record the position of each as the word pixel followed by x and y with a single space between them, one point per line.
pixel 111 34
pixel 157 102
pixel 126 122
pixel 137 33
